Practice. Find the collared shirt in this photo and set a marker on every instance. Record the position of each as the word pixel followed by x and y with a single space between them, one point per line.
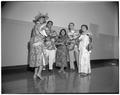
pixel 50 44
pixel 73 34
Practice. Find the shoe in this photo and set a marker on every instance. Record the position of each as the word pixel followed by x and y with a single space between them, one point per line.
pixel 44 68
pixel 84 74
pixel 63 72
pixel 40 77
pixel 72 69
pixel 88 73
pixel 60 71
pixel 51 71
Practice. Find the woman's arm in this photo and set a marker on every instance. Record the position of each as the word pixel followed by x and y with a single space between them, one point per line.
pixel 86 42
pixel 36 41
pixel 59 42
pixel 89 46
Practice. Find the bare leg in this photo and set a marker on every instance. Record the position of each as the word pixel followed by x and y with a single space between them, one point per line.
pixel 63 69
pixel 35 73
pixel 39 72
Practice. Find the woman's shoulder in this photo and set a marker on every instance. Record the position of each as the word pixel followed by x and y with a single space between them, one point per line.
pixel 81 36
pixel 85 36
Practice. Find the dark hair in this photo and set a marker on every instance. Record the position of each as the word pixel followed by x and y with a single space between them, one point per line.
pixel 72 23
pixel 69 25
pixel 80 31
pixel 50 22
pixel 60 34
pixel 84 26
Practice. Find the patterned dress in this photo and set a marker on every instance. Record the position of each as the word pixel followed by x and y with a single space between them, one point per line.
pixel 37 57
pixel 61 53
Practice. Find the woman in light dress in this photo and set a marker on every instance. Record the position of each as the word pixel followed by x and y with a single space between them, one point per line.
pixel 37 57
pixel 84 51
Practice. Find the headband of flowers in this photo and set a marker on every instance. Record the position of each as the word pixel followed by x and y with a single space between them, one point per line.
pixel 40 15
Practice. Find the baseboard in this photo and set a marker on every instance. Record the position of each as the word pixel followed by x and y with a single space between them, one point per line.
pixel 97 63
pixel 104 60
pixel 23 68
pixel 12 69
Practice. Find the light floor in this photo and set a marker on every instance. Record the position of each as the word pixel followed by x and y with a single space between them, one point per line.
pixel 104 79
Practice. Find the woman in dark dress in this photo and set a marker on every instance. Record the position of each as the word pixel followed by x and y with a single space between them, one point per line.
pixel 61 53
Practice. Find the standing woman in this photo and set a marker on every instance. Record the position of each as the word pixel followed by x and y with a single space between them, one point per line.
pixel 61 53
pixel 84 54
pixel 37 58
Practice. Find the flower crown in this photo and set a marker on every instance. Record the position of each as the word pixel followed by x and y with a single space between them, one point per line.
pixel 37 17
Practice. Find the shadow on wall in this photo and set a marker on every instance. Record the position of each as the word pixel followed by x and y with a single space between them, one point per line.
pixel 94 28
pixel 103 44
pixel 28 58
pixel 28 47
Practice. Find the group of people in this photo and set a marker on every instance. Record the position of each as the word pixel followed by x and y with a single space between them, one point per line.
pixel 48 46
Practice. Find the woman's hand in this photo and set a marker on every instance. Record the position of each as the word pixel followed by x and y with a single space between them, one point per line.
pixel 59 43
pixel 36 44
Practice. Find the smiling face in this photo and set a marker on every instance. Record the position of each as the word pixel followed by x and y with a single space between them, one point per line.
pixel 63 32
pixel 49 24
pixel 84 29
pixel 42 20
